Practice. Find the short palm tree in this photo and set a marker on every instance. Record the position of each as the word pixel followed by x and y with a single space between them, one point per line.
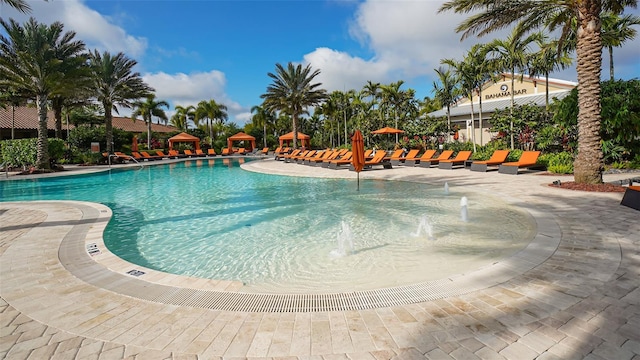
pixel 182 116
pixel 210 111
pixel 446 90
pixel 148 109
pixel 35 60
pixel 114 84
pixel 262 118
pixel 494 15
pixel 292 91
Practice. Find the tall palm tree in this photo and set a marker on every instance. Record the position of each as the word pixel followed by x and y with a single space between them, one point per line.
pixel 263 118
pixel 392 96
pixel 512 54
pixel 148 109
pixel 616 30
pixel 466 78
pixel 292 91
pixel 35 60
pixel 494 15
pixel 115 84
pixel 210 111
pixel 547 60
pixel 446 90
pixel 182 115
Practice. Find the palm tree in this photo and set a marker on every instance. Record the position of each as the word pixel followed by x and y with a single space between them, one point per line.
pixel 210 111
pixel 616 30
pixel 263 118
pixel 393 96
pixel 148 109
pixel 446 90
pixel 494 15
pixel 547 60
pixel 20 5
pixel 481 71
pixel 115 84
pixel 182 116
pixel 292 92
pixel 512 54
pixel 466 78
pixel 30 63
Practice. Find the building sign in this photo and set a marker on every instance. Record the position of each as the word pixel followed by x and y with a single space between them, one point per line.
pixel 95 147
pixel 504 92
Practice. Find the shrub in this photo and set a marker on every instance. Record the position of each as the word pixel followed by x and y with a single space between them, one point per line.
pixel 559 163
pixel 23 152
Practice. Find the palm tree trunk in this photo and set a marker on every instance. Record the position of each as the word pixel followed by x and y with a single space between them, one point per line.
pixel 149 134
pixel 546 92
pixel 589 164
pixel 42 151
pixel 57 114
pixel 611 63
pixel 513 82
pixel 473 124
pixel 264 130
pixel 108 125
pixel 479 120
pixel 294 124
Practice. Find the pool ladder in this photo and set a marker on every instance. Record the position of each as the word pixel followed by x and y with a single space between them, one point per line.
pixel 130 157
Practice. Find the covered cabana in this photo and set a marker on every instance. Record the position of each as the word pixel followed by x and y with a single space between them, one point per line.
pixel 242 137
pixel 288 138
pixel 184 137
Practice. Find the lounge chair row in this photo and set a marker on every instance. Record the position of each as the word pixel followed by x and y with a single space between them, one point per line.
pixel 336 158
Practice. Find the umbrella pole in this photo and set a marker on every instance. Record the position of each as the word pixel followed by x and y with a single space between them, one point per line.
pixel 358 188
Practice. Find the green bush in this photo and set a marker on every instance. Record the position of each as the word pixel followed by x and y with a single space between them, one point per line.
pixel 514 155
pixel 484 152
pixel 558 163
pixel 23 152
pixel 82 137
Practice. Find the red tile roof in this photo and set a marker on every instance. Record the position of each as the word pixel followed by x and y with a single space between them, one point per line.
pixel 27 118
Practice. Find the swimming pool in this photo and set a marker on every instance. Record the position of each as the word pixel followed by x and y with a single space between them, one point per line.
pixel 209 219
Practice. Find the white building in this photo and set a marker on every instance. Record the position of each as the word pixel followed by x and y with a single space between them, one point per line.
pixel 497 95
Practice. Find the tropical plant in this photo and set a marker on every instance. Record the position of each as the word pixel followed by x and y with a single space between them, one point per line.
pixel 148 109
pixel 512 54
pixel 20 5
pixel 494 15
pixel 446 90
pixel 616 30
pixel 292 91
pixel 210 111
pixel 262 118
pixel 35 60
pixel 550 57
pixel 182 115
pixel 114 84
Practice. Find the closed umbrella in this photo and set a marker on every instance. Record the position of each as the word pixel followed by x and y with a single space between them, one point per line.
pixel 357 149
pixel 134 144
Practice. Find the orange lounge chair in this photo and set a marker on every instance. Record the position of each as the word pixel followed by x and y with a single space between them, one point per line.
pixel 318 155
pixel 631 197
pixel 498 157
pixel 242 151
pixel 163 155
pixel 226 152
pixel 396 155
pixel 378 159
pixel 211 152
pixel 344 160
pixel 311 154
pixel 118 156
pixel 325 155
pixel 146 155
pixel 445 155
pixel 411 154
pixel 285 152
pixel 300 156
pixel 200 153
pixel 460 159
pixel 287 157
pixel 136 155
pixel 190 153
pixel 265 151
pixel 176 154
pixel 335 156
pixel 527 160
pixel 428 154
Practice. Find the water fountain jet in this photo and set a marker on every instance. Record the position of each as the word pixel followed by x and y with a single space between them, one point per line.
pixel 464 214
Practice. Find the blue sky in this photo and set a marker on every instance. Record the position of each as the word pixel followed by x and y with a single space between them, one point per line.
pixel 209 49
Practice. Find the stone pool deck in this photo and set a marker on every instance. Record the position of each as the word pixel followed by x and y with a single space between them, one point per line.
pixel 62 300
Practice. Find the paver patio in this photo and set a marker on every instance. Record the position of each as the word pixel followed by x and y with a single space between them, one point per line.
pixel 583 301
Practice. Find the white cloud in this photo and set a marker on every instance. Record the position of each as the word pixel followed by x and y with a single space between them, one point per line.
pixel 96 30
pixel 189 89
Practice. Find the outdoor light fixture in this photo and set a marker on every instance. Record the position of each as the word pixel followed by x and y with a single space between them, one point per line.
pixel 557 183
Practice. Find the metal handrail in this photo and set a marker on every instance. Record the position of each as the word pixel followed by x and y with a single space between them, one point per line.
pixel 130 157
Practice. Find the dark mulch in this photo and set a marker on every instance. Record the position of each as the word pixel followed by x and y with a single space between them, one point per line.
pixel 570 185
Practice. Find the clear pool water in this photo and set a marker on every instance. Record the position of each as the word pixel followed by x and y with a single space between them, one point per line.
pixel 208 218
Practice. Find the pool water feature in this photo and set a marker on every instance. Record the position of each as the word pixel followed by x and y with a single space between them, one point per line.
pixel 276 234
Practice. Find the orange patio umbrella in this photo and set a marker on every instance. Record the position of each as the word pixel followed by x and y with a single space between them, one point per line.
pixel 357 148
pixel 388 130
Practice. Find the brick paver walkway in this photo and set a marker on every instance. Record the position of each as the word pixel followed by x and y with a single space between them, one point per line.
pixel 583 302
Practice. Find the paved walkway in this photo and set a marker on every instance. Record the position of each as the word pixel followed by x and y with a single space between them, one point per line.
pixel 59 302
